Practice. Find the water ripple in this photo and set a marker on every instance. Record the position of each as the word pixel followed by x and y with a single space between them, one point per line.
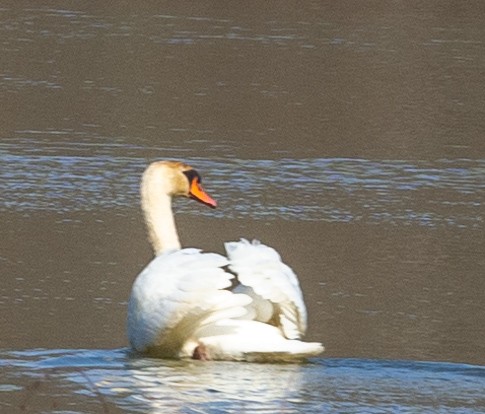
pixel 338 385
pixel 442 192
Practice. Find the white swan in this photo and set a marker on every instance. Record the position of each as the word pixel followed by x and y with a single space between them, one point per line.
pixel 180 304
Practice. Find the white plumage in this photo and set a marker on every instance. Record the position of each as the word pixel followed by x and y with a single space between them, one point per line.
pixel 177 293
pixel 272 284
pixel 181 304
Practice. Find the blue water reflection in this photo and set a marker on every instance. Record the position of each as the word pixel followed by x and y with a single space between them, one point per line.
pixel 429 193
pixel 321 385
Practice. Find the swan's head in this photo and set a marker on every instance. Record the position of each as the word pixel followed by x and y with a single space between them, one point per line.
pixel 175 179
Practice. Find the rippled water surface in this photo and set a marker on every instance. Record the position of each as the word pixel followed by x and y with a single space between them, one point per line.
pixel 349 136
pixel 116 382
pixel 441 192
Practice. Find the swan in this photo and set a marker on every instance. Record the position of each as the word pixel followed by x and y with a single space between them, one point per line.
pixel 186 304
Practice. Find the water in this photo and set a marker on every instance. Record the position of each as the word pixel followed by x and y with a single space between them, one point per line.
pixel 349 137
pixel 116 382
pixel 321 188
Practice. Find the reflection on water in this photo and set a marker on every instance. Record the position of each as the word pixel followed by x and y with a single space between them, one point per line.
pixel 112 380
pixel 431 193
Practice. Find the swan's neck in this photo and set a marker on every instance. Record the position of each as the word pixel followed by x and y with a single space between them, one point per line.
pixel 157 208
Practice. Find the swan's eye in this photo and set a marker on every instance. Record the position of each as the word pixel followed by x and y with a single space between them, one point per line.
pixel 193 175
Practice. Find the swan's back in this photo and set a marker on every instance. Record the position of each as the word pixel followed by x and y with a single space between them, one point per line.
pixel 181 306
pixel 176 294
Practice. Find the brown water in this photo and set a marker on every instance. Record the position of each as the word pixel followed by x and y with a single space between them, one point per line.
pixel 347 135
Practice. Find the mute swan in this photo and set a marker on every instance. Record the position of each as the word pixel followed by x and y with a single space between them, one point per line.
pixel 180 304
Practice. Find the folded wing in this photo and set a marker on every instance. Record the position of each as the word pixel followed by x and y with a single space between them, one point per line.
pixel 176 294
pixel 273 286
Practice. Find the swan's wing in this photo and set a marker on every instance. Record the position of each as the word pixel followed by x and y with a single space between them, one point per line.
pixel 176 294
pixel 272 284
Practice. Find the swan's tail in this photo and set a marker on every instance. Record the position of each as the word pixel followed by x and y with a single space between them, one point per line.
pixel 243 340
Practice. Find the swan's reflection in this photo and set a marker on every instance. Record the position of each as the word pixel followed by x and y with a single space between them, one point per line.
pixel 121 382
pixel 110 381
pixel 159 386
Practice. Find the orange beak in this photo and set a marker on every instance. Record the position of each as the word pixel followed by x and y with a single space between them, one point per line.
pixel 198 193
